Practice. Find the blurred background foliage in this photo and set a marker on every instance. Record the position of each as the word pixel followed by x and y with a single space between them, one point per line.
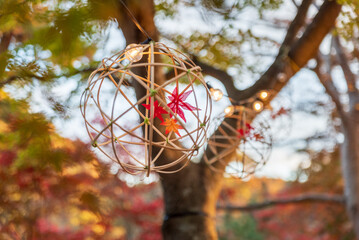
pixel 55 188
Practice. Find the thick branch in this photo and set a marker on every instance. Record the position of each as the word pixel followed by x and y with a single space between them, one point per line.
pixel 324 19
pixel 310 198
pixel 299 54
pixel 343 61
pixel 219 74
pixel 307 46
pixel 297 23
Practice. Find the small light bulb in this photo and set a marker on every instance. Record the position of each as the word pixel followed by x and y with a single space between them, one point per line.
pixel 229 110
pixel 216 94
pixel 257 106
pixel 281 77
pixel 134 52
pixel 263 95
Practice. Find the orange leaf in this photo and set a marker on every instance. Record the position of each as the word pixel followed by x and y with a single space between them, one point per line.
pixel 171 125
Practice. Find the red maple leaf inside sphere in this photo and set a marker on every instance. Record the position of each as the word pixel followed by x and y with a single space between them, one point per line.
pixel 158 110
pixel 247 131
pixel 178 103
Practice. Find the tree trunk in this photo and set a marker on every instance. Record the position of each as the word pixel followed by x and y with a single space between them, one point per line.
pixel 190 198
pixel 190 195
pixel 350 161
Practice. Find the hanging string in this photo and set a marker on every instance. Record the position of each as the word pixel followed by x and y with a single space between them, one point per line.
pixel 134 20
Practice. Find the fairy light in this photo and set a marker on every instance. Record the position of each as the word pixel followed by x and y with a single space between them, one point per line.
pixel 216 94
pixel 263 95
pixel 281 77
pixel 134 52
pixel 229 110
pixel 257 106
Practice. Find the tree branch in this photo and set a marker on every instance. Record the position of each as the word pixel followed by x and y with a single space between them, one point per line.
pixel 298 54
pixel 327 81
pixel 219 74
pixel 288 66
pixel 4 45
pixel 8 80
pixel 343 61
pixel 5 41
pixel 295 3
pixel 307 46
pixel 310 198
pixel 298 23
pixel 13 78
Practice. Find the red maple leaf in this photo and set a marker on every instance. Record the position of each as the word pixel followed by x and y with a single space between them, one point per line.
pixel 245 131
pixel 280 112
pixel 158 110
pixel 177 103
pixel 171 125
pixel 258 136
pixel 248 132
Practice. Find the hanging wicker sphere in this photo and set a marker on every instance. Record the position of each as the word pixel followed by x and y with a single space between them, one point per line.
pixel 137 119
pixel 243 136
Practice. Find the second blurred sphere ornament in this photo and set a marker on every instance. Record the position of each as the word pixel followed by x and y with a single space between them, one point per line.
pixel 242 137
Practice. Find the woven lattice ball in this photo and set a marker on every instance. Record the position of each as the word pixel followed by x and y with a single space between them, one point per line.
pixel 137 119
pixel 243 136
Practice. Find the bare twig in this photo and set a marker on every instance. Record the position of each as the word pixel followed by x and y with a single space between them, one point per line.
pixel 310 198
pixel 326 79
pixel 13 78
pixel 298 23
pixel 8 81
pixel 295 3
pixel 343 61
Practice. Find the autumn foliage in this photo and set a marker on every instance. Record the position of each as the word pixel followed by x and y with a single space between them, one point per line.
pixel 55 188
pixel 295 221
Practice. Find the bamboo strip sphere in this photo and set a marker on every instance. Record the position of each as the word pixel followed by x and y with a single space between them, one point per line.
pixel 248 143
pixel 116 139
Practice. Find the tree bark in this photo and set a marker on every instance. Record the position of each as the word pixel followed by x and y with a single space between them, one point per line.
pixel 190 203
pixel 350 161
pixel 350 130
